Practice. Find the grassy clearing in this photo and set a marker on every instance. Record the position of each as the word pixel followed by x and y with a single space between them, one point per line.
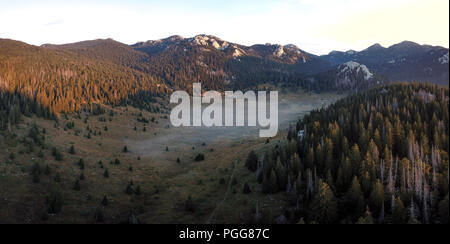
pixel 187 191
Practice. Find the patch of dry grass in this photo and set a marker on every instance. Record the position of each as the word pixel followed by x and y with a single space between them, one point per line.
pixel 165 184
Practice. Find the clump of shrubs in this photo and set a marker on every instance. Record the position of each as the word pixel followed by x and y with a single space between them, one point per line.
pixel 247 189
pixel 199 157
pixel 54 202
pixel 72 150
pixel 57 154
pixel 105 201
pixel 189 205
pixel 77 186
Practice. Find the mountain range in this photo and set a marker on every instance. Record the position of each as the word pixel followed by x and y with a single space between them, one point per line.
pixel 66 77
pixel 406 61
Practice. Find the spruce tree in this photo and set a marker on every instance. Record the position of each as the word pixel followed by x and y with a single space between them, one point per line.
pixel 129 190
pixel 12 156
pixel 354 199
pixel 367 219
pixel 252 161
pixel 54 202
pixel 189 205
pixel 99 215
pixel 247 189
pixel 105 201
pixel 399 214
pixel 324 205
pixel 47 170
pixel 77 186
pixel 72 150
pixel 377 196
pixel 137 191
pixel 443 210
pixel 81 163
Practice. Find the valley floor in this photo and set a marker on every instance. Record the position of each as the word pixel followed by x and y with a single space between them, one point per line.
pixel 155 179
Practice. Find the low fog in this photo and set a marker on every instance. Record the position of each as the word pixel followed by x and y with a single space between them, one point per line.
pixel 291 107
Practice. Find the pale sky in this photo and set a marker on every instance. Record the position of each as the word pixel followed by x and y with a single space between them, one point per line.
pixel 316 26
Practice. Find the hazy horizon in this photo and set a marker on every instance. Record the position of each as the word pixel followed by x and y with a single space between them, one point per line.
pixel 330 24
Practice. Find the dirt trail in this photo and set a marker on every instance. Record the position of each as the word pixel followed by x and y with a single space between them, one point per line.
pixel 211 217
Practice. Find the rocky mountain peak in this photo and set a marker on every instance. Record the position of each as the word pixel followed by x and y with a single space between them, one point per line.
pixel 375 47
pixel 355 68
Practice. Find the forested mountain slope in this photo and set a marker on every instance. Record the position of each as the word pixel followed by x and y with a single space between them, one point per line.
pixel 52 79
pixel 48 81
pixel 377 157
pixel 405 61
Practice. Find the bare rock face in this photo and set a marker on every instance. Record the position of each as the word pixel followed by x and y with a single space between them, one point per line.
pixel 279 51
pixel 353 75
pixel 444 59
pixel 354 68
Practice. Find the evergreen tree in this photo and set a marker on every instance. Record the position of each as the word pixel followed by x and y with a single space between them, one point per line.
pixel 77 186
pixel 324 205
pixel 57 154
pixel 81 163
pixel 367 219
pixel 443 210
pixel 355 199
pixel 399 214
pixel 12 156
pixel 129 190
pixel 137 191
pixel 252 161
pixel 377 196
pixel 72 150
pixel 54 202
pixel 47 170
pixel 189 205
pixel 36 171
pixel 199 157
pixel 99 215
pixel 355 159
pixel 247 189
pixel 105 201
